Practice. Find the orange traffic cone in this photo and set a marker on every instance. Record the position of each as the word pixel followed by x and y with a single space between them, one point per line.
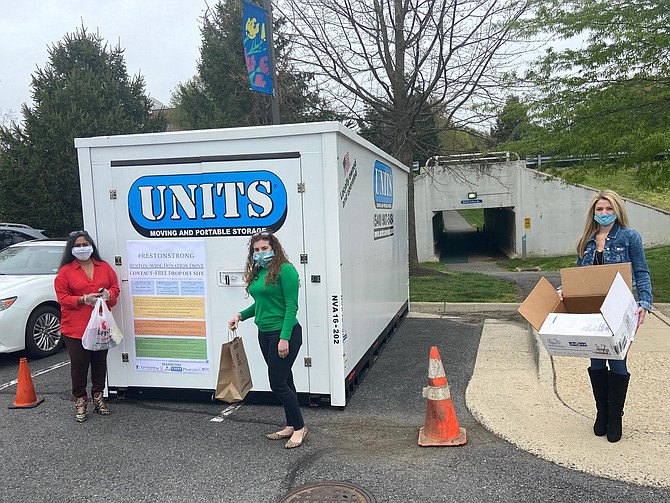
pixel 441 426
pixel 25 391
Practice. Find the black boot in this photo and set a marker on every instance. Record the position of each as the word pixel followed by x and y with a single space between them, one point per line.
pixel 600 385
pixel 618 385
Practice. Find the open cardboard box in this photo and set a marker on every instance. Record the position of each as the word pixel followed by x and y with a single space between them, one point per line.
pixel 597 317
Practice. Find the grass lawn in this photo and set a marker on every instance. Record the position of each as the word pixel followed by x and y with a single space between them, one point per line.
pixel 658 260
pixel 544 263
pixel 474 217
pixel 433 282
pixel 622 181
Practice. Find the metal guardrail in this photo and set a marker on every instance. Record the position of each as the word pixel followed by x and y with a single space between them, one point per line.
pixel 532 161
pixel 469 158
pixel 536 161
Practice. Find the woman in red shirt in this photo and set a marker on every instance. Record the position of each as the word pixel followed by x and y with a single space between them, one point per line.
pixel 83 277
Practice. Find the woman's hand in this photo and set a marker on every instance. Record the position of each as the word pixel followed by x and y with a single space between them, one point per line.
pixel 90 299
pixel 104 294
pixel 641 313
pixel 234 321
pixel 282 348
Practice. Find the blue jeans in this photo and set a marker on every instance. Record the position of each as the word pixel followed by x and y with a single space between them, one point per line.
pixel 616 366
pixel 279 372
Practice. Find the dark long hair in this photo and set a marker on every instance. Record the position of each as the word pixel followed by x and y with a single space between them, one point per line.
pixel 67 253
pixel 252 269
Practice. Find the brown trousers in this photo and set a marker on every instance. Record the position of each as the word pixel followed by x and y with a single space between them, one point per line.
pixel 80 360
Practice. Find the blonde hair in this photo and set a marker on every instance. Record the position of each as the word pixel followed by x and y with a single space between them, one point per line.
pixel 591 226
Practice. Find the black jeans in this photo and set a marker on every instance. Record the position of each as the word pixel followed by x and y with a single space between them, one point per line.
pixel 80 360
pixel 279 372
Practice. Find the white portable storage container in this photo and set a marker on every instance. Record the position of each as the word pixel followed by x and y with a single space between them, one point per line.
pixel 173 213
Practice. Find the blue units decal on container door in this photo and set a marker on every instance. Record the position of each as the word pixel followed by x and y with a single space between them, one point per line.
pixel 237 203
pixel 382 186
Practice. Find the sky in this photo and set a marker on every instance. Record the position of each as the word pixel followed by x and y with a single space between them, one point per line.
pixel 161 39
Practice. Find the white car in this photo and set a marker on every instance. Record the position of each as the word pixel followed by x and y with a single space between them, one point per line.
pixel 29 311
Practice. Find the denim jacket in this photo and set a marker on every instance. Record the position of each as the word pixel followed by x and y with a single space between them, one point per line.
pixel 624 244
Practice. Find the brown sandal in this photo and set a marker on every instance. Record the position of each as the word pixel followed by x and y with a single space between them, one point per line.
pixel 292 445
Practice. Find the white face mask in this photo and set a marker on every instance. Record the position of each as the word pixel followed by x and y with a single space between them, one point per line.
pixel 82 252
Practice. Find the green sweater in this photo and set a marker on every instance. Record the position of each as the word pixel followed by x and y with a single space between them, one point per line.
pixel 276 304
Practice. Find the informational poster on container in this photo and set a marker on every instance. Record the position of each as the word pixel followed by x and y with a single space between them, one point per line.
pixel 168 296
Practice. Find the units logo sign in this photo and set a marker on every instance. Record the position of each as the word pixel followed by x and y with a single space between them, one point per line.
pixel 238 203
pixel 383 186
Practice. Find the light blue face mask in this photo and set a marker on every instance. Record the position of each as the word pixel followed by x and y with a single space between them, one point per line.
pixel 605 220
pixel 264 258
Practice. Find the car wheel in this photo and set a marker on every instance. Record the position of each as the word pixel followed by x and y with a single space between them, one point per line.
pixel 43 335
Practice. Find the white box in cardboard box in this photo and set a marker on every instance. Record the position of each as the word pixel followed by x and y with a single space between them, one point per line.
pixel 596 319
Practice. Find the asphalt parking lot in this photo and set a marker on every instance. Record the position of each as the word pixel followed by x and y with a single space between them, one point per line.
pixel 169 450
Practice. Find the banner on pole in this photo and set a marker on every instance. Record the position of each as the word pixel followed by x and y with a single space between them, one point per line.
pixel 256 50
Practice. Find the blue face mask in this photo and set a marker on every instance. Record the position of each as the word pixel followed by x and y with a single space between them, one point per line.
pixel 263 259
pixel 605 220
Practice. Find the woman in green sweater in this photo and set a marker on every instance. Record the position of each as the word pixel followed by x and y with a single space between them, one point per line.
pixel 273 283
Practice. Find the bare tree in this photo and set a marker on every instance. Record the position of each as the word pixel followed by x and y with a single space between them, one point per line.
pixel 405 59
pixel 7 117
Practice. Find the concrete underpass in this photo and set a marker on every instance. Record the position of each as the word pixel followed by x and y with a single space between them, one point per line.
pixel 526 213
pixel 457 242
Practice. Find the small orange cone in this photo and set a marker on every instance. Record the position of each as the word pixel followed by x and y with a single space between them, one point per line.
pixel 25 391
pixel 441 426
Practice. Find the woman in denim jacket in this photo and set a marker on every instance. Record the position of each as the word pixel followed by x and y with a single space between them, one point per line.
pixel 607 239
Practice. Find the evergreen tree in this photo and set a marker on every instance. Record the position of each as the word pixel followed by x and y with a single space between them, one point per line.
pixel 219 95
pixel 84 90
pixel 511 123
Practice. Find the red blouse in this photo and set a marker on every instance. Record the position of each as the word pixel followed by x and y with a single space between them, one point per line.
pixel 71 283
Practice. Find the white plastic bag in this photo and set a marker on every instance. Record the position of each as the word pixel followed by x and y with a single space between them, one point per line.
pixel 102 331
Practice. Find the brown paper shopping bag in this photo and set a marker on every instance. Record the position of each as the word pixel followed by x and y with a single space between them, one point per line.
pixel 234 380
